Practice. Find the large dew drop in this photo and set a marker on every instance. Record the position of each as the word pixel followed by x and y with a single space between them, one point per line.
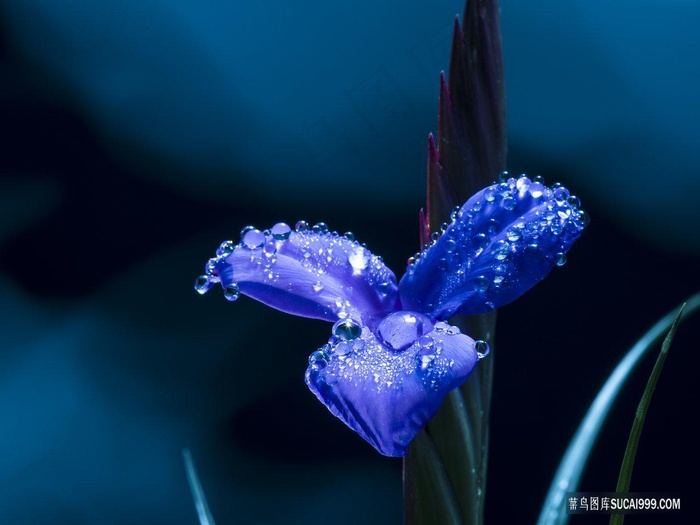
pixel 232 292
pixel 281 231
pixel 482 348
pixel 347 329
pixel 254 239
pixel 201 284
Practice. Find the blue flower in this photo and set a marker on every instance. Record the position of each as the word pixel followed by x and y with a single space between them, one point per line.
pixel 392 358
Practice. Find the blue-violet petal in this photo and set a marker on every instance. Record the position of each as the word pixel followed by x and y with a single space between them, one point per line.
pixel 308 272
pixel 503 241
pixel 387 385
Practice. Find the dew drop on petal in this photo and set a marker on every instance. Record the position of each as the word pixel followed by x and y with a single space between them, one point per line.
pixel 318 286
pixel 232 292
pixel 481 283
pixel 536 189
pixel 270 248
pixel 560 259
pixel 246 229
pixel 425 341
pixel 226 248
pixel 509 203
pixel 584 217
pixel 501 250
pixel 301 226
pixel 574 201
pixel 201 284
pixel 281 231
pixel 523 184
pixel 320 227
pixel 318 360
pixel 482 348
pixel 560 195
pixel 503 176
pixel 349 236
pixel 347 329
pixel 343 348
pixel 254 239
pixel 513 234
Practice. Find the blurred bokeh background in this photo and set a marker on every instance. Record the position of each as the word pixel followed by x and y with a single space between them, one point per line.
pixel 137 135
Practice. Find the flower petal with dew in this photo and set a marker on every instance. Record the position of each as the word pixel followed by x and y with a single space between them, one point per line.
pixel 307 272
pixel 504 240
pixel 392 359
pixel 386 385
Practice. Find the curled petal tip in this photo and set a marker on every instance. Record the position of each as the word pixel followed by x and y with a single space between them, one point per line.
pixel 306 271
pixel 504 240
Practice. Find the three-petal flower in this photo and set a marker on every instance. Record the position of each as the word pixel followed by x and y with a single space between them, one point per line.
pixel 392 358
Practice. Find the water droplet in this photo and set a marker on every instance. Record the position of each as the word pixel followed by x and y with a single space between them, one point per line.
pixel 434 236
pixel 490 194
pixel 232 292
pixel 513 234
pixel 347 329
pixel 318 286
pixel 254 239
pixel 399 330
pixel 358 345
pixel 320 227
pixel 201 284
pixel 479 242
pixel 301 226
pixel 539 179
pixel 318 360
pixel 211 266
pixel 481 284
pixel 584 217
pixel 574 201
pixel 522 184
pixel 564 211
pixel 561 194
pixel 343 348
pixel 454 330
pixel 358 258
pixel 482 348
pixel 501 250
pixel 503 176
pixel 349 236
pixel 444 227
pixel 281 231
pixel 509 203
pixel 560 259
pixel 270 248
pixel 424 358
pixel 226 248
pixel 441 326
pixel 536 189
pixel 246 229
pixel 425 341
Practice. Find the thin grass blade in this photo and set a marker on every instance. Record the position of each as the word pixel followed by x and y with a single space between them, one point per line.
pixel 623 482
pixel 571 467
pixel 200 502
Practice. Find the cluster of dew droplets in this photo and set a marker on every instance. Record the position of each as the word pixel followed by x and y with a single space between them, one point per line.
pixel 318 249
pixel 355 356
pixel 263 246
pixel 469 236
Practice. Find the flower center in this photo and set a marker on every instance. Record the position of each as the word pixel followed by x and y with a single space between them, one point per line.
pixel 399 330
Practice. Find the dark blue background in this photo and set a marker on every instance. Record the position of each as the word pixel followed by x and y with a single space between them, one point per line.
pixel 138 135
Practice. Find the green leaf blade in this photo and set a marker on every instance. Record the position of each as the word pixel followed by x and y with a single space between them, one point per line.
pixel 573 462
pixel 623 482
